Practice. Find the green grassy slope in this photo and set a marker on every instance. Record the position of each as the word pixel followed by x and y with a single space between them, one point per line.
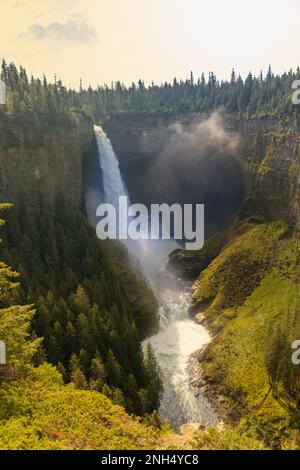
pixel 39 412
pixel 250 286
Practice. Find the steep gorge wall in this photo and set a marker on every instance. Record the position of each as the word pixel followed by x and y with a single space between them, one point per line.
pixel 272 162
pixel 267 160
pixel 172 159
pixel 50 168
pixel 267 163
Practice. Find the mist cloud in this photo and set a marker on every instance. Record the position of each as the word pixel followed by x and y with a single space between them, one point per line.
pixel 197 163
pixel 74 30
pixel 200 137
pixel 195 149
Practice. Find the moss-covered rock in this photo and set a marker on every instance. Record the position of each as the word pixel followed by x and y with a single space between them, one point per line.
pixel 189 264
pixel 236 272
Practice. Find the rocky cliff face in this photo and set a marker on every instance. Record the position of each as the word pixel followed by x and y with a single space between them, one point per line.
pixel 261 177
pixel 48 169
pixel 272 158
pixel 267 160
pixel 264 170
pixel 187 159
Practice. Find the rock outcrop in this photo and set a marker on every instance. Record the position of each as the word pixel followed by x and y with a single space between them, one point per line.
pixel 273 165
pixel 267 154
pixel 182 158
pixel 48 169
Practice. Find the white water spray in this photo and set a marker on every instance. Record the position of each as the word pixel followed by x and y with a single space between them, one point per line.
pixel 112 181
pixel 174 344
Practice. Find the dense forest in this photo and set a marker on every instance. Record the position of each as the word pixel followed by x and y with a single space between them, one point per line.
pixel 35 102
pixel 254 97
pixel 91 310
pixel 73 311
pixel 37 410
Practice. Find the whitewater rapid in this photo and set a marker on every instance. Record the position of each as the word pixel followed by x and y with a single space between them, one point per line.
pixel 179 337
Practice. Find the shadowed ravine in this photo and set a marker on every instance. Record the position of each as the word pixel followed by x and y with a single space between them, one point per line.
pixel 178 336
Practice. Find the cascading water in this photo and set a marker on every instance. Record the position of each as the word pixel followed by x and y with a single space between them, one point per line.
pixel 178 336
pixel 112 180
pixel 177 339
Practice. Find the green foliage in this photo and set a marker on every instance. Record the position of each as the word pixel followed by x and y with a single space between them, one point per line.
pixel 153 375
pixel 259 433
pixel 140 297
pixel 39 412
pixel 240 267
pixel 283 374
pixel 113 369
pixel 14 319
pixel 229 439
pixel 256 325
pixel 254 97
pixel 91 311
pixel 32 104
pixel 36 104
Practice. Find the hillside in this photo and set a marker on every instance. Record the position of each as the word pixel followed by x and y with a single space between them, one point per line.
pixel 39 412
pixel 85 292
pixel 247 293
pixel 76 374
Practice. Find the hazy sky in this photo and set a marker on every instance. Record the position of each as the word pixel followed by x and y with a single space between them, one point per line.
pixel 108 40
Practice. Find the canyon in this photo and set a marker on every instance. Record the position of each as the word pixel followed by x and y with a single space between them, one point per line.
pixel 261 176
pixel 246 172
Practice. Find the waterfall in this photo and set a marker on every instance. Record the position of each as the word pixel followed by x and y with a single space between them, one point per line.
pixel 151 253
pixel 178 336
pixel 109 164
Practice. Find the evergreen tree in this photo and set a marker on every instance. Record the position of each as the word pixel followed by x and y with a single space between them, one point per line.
pixel 14 319
pixel 153 376
pixel 81 320
pixel 113 369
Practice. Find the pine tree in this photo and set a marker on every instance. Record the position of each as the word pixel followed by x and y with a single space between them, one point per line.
pixel 77 375
pixel 80 321
pixel 131 388
pixel 62 370
pixel 144 401
pixel 153 375
pixel 98 370
pixel 113 369
pixel 14 319
pixel 78 379
pixel 233 77
pixel 117 397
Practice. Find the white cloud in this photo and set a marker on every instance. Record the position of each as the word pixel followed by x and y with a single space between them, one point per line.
pixel 73 30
